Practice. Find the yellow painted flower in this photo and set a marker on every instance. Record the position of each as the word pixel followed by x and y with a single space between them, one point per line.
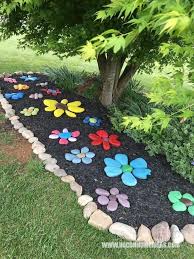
pixel 21 87
pixel 63 107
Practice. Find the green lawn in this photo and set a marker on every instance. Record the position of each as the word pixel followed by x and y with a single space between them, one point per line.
pixel 13 59
pixel 39 215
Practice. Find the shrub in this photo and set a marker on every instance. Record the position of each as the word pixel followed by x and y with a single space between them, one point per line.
pixel 132 100
pixel 65 78
pixel 176 142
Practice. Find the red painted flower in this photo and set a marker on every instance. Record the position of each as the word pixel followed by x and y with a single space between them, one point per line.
pixel 101 137
pixel 53 92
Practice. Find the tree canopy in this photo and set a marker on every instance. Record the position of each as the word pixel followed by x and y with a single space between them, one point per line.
pixel 124 36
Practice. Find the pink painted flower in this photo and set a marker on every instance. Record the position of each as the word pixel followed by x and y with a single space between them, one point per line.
pixel 10 80
pixel 65 136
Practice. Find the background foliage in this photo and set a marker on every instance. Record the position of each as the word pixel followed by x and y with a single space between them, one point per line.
pixel 176 142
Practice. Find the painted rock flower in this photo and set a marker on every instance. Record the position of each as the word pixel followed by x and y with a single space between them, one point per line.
pixel 29 78
pixel 31 111
pixel 21 87
pixel 77 156
pixel 43 84
pixel 53 92
pixel 65 136
pixel 92 121
pixel 112 198
pixel 181 202
pixel 14 96
pixel 101 137
pixel 129 172
pixel 10 80
pixel 36 96
pixel 63 107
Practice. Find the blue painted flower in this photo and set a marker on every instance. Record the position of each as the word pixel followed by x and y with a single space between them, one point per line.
pixel 29 78
pixel 77 156
pixel 14 96
pixel 129 172
pixel 92 121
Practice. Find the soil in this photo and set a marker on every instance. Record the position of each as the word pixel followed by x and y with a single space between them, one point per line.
pixel 20 148
pixel 148 199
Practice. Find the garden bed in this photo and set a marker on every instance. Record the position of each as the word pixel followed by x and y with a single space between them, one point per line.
pixel 148 199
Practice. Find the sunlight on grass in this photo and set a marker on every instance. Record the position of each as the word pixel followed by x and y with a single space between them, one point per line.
pixel 14 59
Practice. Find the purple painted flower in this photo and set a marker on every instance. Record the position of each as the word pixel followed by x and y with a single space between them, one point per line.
pixel 112 198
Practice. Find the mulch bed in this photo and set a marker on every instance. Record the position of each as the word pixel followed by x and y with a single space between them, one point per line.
pixel 148 199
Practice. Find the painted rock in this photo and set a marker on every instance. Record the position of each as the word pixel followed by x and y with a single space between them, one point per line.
pixel 138 163
pixel 101 191
pixel 103 200
pixel 112 205
pixel 141 173
pixel 124 202
pixel 128 179
pixel 114 191
pixel 122 196
pixel 112 198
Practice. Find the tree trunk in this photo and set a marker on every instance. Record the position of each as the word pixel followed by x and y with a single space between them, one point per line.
pixel 113 81
pixel 124 79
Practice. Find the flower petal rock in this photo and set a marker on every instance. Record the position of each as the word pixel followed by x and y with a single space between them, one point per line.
pixel 102 192
pixel 188 233
pixel 161 232
pixel 144 235
pixel 176 235
pixel 100 220
pixel 123 231
pixel 84 199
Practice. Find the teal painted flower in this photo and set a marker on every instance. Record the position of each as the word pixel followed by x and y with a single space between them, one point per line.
pixel 78 156
pixel 181 202
pixel 130 172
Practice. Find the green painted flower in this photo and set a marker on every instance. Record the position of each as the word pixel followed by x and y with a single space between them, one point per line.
pixel 181 202
pixel 31 111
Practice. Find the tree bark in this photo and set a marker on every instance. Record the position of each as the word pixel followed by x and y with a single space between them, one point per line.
pixel 124 79
pixel 113 81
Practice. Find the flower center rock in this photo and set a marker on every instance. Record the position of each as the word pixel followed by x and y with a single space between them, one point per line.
pixel 65 135
pixel 92 120
pixel 127 169
pixel 81 155
pixel 187 202
pixel 61 106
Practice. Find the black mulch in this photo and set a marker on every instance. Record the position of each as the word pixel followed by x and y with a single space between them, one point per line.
pixel 148 199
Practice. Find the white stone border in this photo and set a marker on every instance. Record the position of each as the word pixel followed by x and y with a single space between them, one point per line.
pixel 160 233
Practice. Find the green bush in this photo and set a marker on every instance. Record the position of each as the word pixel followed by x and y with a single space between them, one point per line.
pixel 132 100
pixel 176 142
pixel 65 78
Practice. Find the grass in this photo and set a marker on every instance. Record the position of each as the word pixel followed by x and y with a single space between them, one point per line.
pixel 6 138
pixel 39 215
pixel 13 59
